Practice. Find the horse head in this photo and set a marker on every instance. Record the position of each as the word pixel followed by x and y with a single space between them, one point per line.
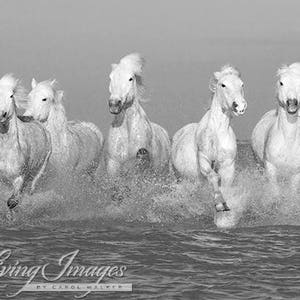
pixel 42 98
pixel 228 86
pixel 125 82
pixel 288 87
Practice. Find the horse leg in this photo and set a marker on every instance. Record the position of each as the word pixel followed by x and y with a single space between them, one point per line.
pixel 226 173
pixel 18 186
pixel 207 169
pixel 112 167
pixel 272 176
pixel 39 174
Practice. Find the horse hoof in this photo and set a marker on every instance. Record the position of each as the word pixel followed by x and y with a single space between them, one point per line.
pixel 12 202
pixel 222 206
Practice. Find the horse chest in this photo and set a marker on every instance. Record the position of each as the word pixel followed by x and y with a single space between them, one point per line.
pixel 284 153
pixel 218 146
pixel 124 143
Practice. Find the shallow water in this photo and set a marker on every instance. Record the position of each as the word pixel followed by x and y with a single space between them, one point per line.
pixel 165 235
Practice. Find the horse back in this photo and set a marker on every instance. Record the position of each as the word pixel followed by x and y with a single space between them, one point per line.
pixel 161 145
pixel 184 151
pixel 87 133
pixel 87 141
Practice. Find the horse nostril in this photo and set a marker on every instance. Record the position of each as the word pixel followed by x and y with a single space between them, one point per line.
pixel 234 104
pixel 292 102
pixel 114 103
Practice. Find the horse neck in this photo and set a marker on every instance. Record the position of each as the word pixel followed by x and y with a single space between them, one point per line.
pixel 56 123
pixel 287 123
pixel 219 117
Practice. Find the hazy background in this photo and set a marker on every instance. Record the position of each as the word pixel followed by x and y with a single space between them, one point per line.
pixel 184 42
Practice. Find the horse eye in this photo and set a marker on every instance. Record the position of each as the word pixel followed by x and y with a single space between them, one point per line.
pixel 44 99
pixel 280 82
pixel 130 79
pixel 223 85
pixel 11 96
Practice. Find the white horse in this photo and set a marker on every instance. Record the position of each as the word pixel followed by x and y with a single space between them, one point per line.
pixel 209 147
pixel 25 148
pixel 131 134
pixel 76 146
pixel 276 137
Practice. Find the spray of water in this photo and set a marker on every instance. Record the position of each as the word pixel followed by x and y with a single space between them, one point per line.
pixel 151 198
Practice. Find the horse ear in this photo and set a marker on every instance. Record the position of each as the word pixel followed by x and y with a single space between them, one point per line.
pixel 33 83
pixel 59 96
pixel 53 82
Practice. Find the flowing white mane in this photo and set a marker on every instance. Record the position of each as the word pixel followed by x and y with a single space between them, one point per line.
pixel 9 81
pixel 225 70
pixel 134 63
pixel 228 70
pixel 294 68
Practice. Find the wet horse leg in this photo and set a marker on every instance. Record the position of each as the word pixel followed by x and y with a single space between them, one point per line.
pixel 208 169
pixel 18 186
pixel 112 167
pixel 226 172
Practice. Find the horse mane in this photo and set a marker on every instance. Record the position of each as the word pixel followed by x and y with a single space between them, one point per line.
pixel 225 70
pixel 295 68
pixel 20 93
pixel 134 62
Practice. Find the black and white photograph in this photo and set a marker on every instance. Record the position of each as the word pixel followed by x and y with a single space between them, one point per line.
pixel 149 149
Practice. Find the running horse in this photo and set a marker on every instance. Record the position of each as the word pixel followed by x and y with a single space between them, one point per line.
pixel 276 137
pixel 25 147
pixel 76 146
pixel 131 134
pixel 209 147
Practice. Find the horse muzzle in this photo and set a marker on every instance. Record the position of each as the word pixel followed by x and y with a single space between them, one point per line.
pixel 292 106
pixel 115 106
pixel 238 109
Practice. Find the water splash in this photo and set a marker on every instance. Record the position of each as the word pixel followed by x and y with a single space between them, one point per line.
pixel 157 200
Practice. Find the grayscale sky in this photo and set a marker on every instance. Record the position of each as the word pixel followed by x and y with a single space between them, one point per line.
pixel 184 42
